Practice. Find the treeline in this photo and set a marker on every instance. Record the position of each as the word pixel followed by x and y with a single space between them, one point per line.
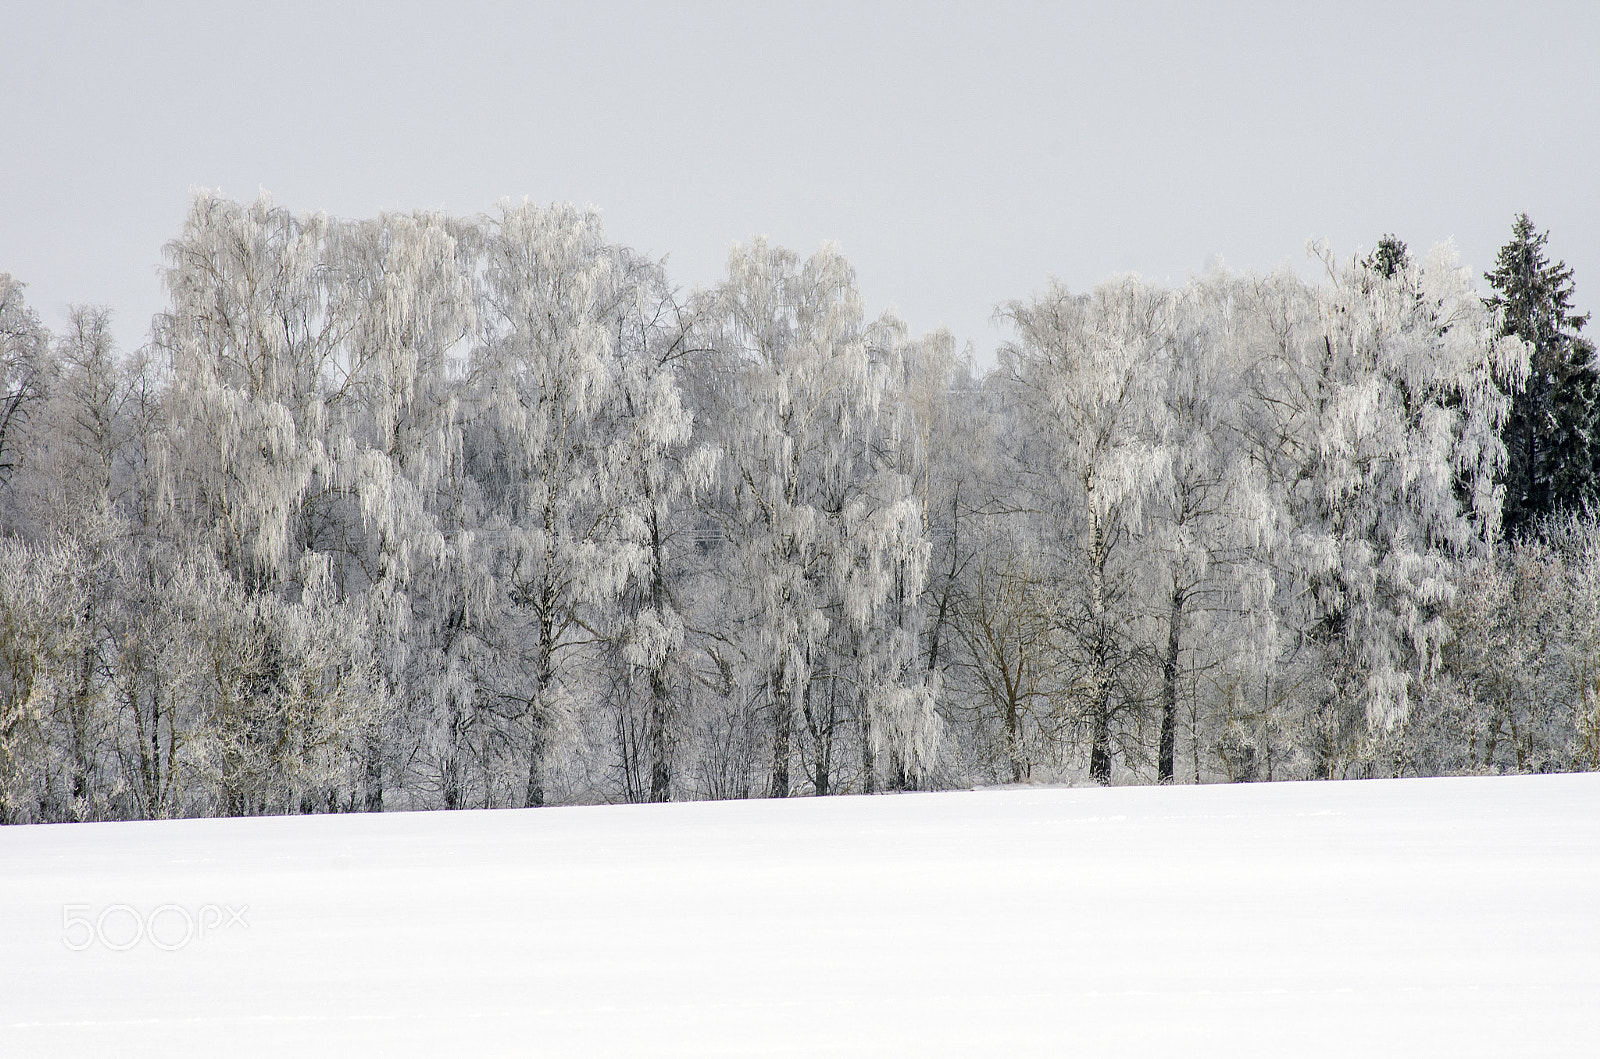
pixel 430 512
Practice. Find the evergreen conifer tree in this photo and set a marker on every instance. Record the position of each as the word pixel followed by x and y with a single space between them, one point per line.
pixel 1552 437
pixel 1390 256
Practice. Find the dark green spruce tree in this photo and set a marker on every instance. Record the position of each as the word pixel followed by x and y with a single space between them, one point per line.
pixel 1552 437
pixel 1390 257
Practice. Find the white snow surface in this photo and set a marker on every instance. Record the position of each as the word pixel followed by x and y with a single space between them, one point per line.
pixel 1409 917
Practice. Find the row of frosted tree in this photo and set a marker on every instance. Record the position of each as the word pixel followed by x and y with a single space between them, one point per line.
pixel 429 512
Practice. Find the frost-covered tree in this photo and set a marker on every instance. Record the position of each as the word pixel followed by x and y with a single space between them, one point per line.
pixel 1010 633
pixel 284 689
pixel 156 671
pixel 1578 539
pixel 1552 435
pixel 72 481
pixel 1089 369
pixel 567 445
pixel 79 455
pixel 23 353
pixel 883 569
pixel 394 452
pixel 151 619
pixel 252 337
pixel 42 599
pixel 928 447
pixel 1502 698
pixel 1375 404
pixel 254 348
pixel 658 474
pixel 825 530
pixel 941 397
pixel 1208 516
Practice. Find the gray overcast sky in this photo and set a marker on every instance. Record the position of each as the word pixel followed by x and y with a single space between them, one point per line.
pixel 959 154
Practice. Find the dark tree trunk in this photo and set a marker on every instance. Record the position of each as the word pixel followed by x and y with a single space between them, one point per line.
pixel 80 729
pixel 1013 740
pixel 534 796
pixel 869 757
pixel 1100 748
pixel 822 725
pixel 782 727
pixel 869 761
pixel 452 782
pixel 374 792
pixel 660 686
pixel 660 760
pixel 1100 751
pixel 1169 692
pixel 535 793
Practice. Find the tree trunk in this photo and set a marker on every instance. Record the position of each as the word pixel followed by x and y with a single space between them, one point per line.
pixel 1100 740
pixel 452 781
pixel 822 767
pixel 81 706
pixel 453 757
pixel 869 761
pixel 660 761
pixel 660 686
pixel 1013 740
pixel 534 797
pixel 545 674
pixel 535 793
pixel 1169 692
pixel 783 724
pixel 1100 751
pixel 374 784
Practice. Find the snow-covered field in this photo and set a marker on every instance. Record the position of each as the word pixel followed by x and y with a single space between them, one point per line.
pixel 1413 917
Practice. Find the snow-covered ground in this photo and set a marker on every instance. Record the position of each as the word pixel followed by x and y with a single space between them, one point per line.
pixel 1414 917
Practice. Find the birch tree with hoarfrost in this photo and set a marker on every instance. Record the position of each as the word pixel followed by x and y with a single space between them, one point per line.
pixel 396 449
pixel 1382 416
pixel 23 354
pixel 42 599
pixel 569 526
pixel 1088 370
pixel 69 490
pixel 1207 516
pixel 658 474
pixel 251 335
pixel 253 344
pixel 825 537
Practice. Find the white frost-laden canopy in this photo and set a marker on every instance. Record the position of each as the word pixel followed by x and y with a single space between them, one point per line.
pixel 1382 404
pixel 422 511
pixel 821 512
